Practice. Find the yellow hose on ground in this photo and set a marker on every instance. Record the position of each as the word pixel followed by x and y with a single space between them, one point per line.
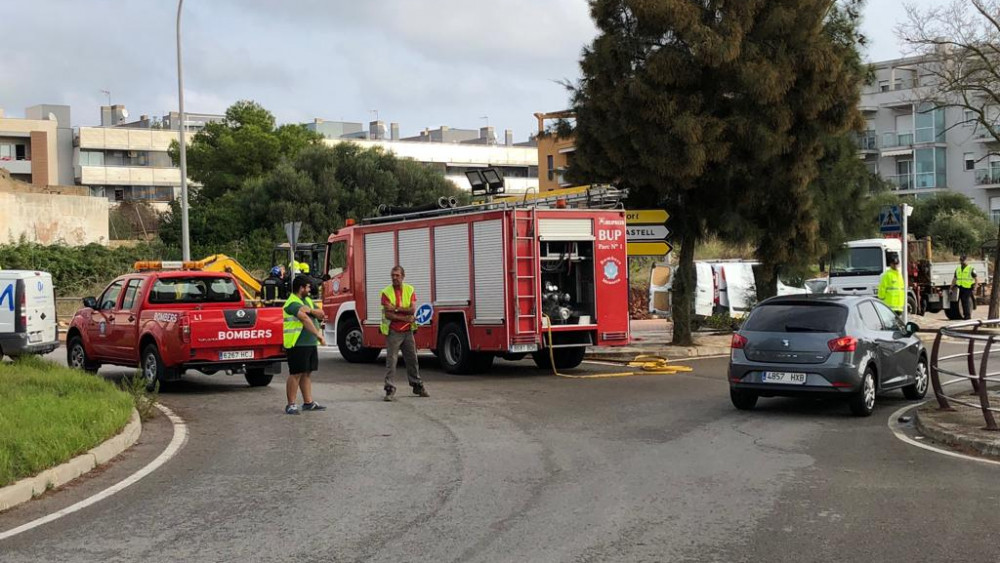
pixel 648 365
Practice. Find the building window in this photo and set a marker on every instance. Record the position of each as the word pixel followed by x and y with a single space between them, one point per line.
pixel 91 158
pixel 550 162
pixel 883 85
pixel 969 118
pixel 929 123
pixel 970 161
pixel 995 209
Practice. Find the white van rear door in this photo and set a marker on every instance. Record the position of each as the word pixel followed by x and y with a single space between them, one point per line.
pixel 660 278
pixel 8 304
pixel 740 288
pixel 704 295
pixel 40 300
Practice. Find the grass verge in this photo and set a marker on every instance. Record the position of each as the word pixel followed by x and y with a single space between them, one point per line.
pixel 49 414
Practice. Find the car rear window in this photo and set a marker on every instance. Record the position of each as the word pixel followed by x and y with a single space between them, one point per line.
pixel 194 290
pixel 787 317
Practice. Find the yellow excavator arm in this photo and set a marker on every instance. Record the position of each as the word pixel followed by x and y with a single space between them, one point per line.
pixel 249 285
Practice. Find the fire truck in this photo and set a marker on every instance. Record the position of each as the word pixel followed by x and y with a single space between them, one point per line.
pixel 542 275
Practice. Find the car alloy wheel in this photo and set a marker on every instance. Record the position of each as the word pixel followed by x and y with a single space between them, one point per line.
pixel 921 383
pixel 78 357
pixel 150 368
pixel 869 392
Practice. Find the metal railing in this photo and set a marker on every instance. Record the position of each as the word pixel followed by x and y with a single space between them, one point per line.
pixel 980 345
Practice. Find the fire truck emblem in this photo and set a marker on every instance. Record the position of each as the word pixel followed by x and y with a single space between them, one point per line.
pixel 612 271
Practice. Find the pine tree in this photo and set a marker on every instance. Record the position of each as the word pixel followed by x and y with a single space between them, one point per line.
pixel 716 112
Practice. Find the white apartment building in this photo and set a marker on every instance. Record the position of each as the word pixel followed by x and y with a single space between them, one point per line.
pixel 452 151
pixel 921 149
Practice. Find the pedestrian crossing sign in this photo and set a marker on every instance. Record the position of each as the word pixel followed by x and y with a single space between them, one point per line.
pixel 889 219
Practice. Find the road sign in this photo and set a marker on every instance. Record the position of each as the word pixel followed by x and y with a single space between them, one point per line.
pixel 660 248
pixel 889 219
pixel 424 314
pixel 646 216
pixel 292 231
pixel 646 232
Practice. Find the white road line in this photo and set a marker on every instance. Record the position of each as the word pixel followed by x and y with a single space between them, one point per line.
pixel 894 426
pixel 176 443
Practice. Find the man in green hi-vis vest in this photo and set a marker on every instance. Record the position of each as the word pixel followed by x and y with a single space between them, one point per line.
pixel 302 335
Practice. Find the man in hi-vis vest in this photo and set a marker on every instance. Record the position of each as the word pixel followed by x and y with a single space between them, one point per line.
pixel 302 335
pixel 965 280
pixel 398 326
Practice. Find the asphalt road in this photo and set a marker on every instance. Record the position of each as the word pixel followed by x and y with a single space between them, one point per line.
pixel 521 466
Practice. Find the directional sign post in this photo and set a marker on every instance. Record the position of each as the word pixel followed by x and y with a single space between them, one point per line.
pixel 646 233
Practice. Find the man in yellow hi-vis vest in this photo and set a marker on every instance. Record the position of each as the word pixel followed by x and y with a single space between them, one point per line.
pixel 892 288
pixel 398 326
pixel 965 281
pixel 302 334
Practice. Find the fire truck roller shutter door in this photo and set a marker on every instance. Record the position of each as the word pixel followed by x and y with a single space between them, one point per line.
pixel 380 257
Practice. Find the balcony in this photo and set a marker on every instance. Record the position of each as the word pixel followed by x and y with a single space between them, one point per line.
pixel 984 137
pixel 127 176
pixel 896 144
pixel 866 141
pixel 901 181
pixel 16 166
pixel 988 178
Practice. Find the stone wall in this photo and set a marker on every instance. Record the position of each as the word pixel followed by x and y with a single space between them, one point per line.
pixel 51 219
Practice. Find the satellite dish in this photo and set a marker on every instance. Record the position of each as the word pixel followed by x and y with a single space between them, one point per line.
pixel 124 112
pixel 52 117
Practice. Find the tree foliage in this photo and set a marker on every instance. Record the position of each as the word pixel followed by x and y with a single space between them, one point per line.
pixel 960 231
pixel 718 112
pixel 244 145
pixel 321 187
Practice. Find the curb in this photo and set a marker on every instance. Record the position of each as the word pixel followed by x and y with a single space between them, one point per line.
pixel 945 435
pixel 30 487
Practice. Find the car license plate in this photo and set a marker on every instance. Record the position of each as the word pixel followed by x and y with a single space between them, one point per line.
pixel 523 348
pixel 238 355
pixel 785 377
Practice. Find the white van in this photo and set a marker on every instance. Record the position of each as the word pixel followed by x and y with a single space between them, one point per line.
pixel 27 313
pixel 721 286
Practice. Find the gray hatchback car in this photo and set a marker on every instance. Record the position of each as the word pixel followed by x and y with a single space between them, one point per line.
pixel 825 345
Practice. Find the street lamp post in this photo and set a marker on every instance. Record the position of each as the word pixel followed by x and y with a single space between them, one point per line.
pixel 185 233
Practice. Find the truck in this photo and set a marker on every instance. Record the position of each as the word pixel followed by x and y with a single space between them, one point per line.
pixel 167 321
pixel 857 268
pixel 503 279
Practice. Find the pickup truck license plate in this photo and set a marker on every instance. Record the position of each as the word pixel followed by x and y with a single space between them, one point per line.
pixel 785 377
pixel 238 355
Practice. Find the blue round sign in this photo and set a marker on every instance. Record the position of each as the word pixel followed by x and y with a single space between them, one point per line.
pixel 424 314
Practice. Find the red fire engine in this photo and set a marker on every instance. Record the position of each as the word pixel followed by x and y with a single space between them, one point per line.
pixel 500 279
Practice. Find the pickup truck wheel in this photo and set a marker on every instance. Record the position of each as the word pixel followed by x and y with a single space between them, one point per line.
pixel 76 356
pixel 153 370
pixel 350 342
pixel 257 378
pixel 453 350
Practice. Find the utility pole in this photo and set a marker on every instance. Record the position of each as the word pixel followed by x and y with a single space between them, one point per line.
pixel 185 232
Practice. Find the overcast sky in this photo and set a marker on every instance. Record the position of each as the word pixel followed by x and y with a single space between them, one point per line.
pixel 422 63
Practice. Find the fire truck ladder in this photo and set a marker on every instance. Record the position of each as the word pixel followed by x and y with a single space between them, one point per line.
pixel 588 197
pixel 525 276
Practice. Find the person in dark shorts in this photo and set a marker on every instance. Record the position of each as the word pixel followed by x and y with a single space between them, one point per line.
pixel 302 336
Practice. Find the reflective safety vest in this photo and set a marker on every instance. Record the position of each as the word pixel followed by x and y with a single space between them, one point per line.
pixel 963 277
pixel 892 290
pixel 293 325
pixel 390 293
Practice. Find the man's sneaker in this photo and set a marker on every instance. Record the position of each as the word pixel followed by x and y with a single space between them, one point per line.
pixel 421 392
pixel 292 409
pixel 390 394
pixel 314 406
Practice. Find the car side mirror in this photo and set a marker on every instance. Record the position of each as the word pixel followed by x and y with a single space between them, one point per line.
pixel 90 302
pixel 911 329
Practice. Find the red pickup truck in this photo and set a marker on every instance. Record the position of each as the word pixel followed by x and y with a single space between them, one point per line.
pixel 166 322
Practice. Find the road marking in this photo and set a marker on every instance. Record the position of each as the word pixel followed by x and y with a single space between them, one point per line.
pixel 894 427
pixel 176 443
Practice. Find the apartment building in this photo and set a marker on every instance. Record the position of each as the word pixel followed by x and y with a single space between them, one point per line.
pixel 554 152
pixel 452 151
pixel 36 148
pixel 921 148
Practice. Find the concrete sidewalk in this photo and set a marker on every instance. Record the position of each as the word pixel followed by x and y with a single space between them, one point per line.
pixel 962 428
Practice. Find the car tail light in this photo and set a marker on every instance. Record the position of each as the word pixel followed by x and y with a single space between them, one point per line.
pixel 843 344
pixel 739 341
pixel 715 287
pixel 24 310
pixel 184 323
